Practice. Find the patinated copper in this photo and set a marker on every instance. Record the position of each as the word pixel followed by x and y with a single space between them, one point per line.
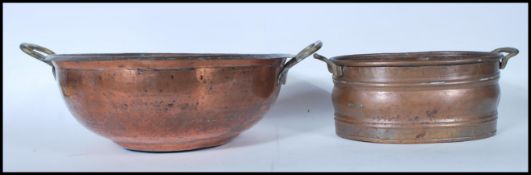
pixel 169 102
pixel 420 97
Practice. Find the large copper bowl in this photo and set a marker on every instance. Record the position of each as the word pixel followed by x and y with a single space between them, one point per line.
pixel 169 102
pixel 417 97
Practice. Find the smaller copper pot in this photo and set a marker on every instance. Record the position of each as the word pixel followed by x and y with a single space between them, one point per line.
pixel 169 101
pixel 419 97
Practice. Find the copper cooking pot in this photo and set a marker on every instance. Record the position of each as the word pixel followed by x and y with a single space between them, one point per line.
pixel 161 102
pixel 417 97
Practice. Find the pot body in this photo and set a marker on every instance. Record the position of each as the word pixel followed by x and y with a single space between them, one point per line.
pixel 417 98
pixel 160 102
pixel 169 105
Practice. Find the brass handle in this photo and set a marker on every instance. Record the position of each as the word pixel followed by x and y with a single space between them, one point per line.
pixel 511 52
pixel 336 70
pixel 309 50
pixel 34 49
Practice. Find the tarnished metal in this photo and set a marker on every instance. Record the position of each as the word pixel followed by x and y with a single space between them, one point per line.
pixel 168 102
pixel 511 53
pixel 419 97
pixel 337 71
pixel 33 50
pixel 309 50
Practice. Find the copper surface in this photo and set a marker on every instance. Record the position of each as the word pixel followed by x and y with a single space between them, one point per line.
pixel 167 109
pixel 422 97
pixel 169 102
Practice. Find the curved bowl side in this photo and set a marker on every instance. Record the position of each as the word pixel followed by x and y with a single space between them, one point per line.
pixel 176 109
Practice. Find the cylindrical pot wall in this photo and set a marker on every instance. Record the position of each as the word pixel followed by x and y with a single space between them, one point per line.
pixel 420 97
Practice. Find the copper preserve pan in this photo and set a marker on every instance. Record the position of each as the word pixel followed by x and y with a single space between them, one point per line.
pixel 418 97
pixel 169 101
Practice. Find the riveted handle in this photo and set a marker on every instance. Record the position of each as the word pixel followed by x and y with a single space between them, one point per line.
pixel 33 51
pixel 336 70
pixel 511 52
pixel 309 50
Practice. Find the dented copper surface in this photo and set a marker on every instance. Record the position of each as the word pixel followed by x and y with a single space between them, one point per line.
pixel 169 102
pixel 419 97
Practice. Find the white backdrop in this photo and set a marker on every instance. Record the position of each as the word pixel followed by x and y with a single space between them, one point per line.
pixel 40 134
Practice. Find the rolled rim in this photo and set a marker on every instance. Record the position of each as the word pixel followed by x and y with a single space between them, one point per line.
pixel 164 56
pixel 416 58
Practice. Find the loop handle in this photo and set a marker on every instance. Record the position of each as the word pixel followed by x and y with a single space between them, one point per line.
pixel 309 50
pixel 336 70
pixel 511 52
pixel 33 50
